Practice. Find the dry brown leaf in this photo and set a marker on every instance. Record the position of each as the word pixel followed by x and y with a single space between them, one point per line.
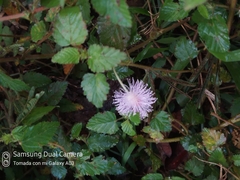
pixel 10 8
pixel 67 68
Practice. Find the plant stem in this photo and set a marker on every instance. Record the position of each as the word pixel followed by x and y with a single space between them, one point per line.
pixel 152 68
pixel 228 122
pixel 168 140
pixel 20 15
pixel 233 4
pixel 119 80
pixel 216 164
pixel 155 34
pixel 177 139
pixel 27 57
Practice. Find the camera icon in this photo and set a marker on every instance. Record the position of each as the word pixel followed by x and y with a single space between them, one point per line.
pixel 5 159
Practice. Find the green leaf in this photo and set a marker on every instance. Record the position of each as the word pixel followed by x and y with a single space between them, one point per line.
pixel 139 139
pixel 79 70
pixel 189 4
pixel 67 55
pixel 51 14
pixel 191 115
pixel 152 176
pixel 198 18
pixel 96 88
pixel 31 93
pixel 86 154
pixel 54 93
pixel 19 104
pixel 96 167
pixel 142 54
pixel 148 52
pixel 52 3
pixel 59 172
pixel 234 109
pixel 122 72
pixel 36 114
pixel 154 134
pixel 135 119
pixel 214 33
pixel 128 153
pixel 36 136
pixel 190 143
pixel 103 123
pixel 17 132
pixel 194 166
pixel 212 139
pixel 236 159
pixel 161 122
pixel 102 58
pixel 63 140
pixel 101 142
pixel 28 107
pixel 127 127
pixel 139 10
pixel 38 30
pixel 218 157
pixel 117 11
pixel 116 169
pixel 84 6
pixel 177 178
pixel 7 138
pixel 75 131
pixel 7 40
pixel 75 33
pixel 211 177
pixel 36 79
pixel 68 106
pixel 14 84
pixel 113 35
pixel 233 69
pixel 184 51
pixel 229 56
pixel 224 76
pixel 172 11
pixel 155 160
pixel 203 11
pixel 167 40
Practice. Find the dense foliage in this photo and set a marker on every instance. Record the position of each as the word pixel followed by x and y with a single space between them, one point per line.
pixel 62 62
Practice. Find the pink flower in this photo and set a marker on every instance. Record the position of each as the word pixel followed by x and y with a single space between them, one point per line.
pixel 135 98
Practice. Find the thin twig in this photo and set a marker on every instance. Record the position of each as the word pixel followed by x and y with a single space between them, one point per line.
pixel 212 163
pixel 233 4
pixel 167 140
pixel 158 33
pixel 22 14
pixel 226 122
pixel 154 69
pixel 170 95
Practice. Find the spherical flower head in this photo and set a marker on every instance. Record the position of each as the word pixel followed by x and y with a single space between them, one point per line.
pixel 137 99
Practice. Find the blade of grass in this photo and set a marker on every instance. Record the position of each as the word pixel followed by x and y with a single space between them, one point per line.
pixel 128 153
